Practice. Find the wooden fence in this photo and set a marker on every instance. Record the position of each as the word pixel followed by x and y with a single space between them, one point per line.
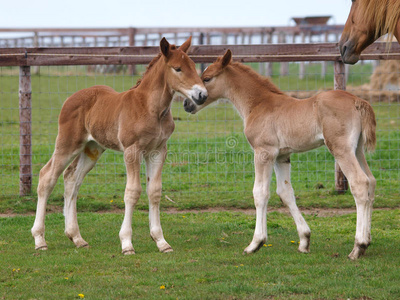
pixel 94 37
pixel 27 57
pixel 308 30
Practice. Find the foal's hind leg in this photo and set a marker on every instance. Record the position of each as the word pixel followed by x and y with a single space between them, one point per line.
pixel 47 180
pixel 285 192
pixel 154 164
pixel 372 181
pixel 360 186
pixel 73 177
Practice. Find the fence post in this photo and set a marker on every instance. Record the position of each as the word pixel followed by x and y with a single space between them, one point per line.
pixel 284 65
pixel 201 42
pixel 131 35
pixel 25 131
pixel 341 184
pixel 302 66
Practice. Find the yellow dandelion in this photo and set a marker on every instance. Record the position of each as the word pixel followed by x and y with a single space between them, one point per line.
pixel 241 265
pixel 111 201
pixel 269 245
pixel 265 245
pixel 183 216
pixel 66 278
pixel 14 270
pixel 81 296
pixel 162 287
pixel 292 242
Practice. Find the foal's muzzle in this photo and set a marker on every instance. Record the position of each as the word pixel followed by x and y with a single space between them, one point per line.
pixel 189 106
pixel 201 98
pixel 198 94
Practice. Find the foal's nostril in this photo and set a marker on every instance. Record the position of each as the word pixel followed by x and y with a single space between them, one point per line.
pixel 202 98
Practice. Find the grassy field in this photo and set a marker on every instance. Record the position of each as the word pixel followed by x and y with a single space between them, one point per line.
pixel 207 262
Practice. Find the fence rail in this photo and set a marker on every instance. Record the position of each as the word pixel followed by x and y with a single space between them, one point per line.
pixel 45 37
pixel 200 54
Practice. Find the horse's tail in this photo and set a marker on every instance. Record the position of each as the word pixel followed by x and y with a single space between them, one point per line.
pixel 368 124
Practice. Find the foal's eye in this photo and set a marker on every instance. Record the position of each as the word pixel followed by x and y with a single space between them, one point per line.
pixel 177 69
pixel 207 79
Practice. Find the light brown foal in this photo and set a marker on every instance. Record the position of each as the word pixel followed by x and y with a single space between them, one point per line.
pixel 277 125
pixel 137 122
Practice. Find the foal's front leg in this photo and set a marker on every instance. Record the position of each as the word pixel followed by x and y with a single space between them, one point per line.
pixel 263 164
pixel 132 157
pixel 154 163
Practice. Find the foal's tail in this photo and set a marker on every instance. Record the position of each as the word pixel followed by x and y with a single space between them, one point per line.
pixel 368 124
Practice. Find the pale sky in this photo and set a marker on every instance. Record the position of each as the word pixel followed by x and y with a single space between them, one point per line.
pixel 165 13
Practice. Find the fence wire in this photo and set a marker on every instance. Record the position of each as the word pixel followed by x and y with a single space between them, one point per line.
pixel 209 157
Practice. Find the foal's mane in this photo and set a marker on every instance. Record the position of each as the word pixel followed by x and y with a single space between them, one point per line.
pixel 151 64
pixel 385 14
pixel 265 81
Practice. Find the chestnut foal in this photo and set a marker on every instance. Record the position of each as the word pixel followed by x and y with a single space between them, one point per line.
pixel 137 122
pixel 277 125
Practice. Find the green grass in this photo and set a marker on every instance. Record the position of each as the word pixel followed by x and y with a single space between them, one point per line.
pixel 207 262
pixel 209 163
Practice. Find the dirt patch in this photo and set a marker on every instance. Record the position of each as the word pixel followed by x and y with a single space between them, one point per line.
pixel 319 212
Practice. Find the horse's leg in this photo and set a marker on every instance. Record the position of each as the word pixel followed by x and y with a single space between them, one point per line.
pixel 154 164
pixel 371 187
pixel 263 164
pixel 364 165
pixel 285 192
pixel 132 157
pixel 47 180
pixel 360 187
pixel 73 177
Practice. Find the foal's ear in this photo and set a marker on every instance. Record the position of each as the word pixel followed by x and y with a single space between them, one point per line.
pixel 164 47
pixel 186 45
pixel 226 59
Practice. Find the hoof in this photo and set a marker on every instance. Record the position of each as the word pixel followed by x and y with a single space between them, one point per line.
pixel 42 248
pixel 167 250
pixel 304 248
pixel 128 252
pixel 305 251
pixel 78 241
pixel 254 247
pixel 358 251
pixel 163 246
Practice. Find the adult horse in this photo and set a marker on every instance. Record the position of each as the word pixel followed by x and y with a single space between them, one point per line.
pixel 277 125
pixel 367 21
pixel 137 122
